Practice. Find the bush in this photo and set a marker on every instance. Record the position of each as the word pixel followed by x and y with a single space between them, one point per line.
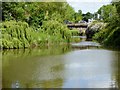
pixel 75 32
pixel 100 36
pixel 109 36
pixel 20 35
pixel 15 34
pixel 113 39
pixel 59 31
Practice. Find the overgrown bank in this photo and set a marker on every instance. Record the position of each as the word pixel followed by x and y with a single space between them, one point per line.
pixel 31 24
pixel 110 34
pixel 20 35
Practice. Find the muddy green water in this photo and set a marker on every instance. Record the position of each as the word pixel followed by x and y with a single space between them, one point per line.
pixel 61 67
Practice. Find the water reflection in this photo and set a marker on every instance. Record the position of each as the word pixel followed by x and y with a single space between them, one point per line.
pixel 118 80
pixel 56 83
pixel 117 74
pixel 16 85
pixel 0 70
pixel 89 68
pixel 61 67
pixel 31 67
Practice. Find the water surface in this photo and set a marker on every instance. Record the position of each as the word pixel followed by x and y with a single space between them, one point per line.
pixel 61 67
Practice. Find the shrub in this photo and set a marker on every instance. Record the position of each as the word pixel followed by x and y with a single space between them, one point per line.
pixel 75 32
pixel 57 30
pixel 20 35
pixel 15 34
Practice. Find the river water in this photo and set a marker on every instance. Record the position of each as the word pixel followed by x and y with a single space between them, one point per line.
pixel 61 67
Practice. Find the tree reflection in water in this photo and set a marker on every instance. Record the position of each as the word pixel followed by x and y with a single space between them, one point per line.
pixel 118 71
pixel 30 67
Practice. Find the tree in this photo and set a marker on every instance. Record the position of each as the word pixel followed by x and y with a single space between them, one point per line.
pixel 77 16
pixel 110 35
pixel 106 12
pixel 34 13
pixel 87 16
pixel 68 12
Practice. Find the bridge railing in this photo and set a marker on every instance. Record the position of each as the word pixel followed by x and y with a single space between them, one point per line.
pixel 78 25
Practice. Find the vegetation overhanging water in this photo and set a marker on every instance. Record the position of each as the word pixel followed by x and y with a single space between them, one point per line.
pixel 39 24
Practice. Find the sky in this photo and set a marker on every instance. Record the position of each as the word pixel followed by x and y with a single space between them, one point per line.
pixel 87 5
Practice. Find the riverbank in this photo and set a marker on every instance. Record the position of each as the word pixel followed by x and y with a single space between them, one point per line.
pixel 104 33
pixel 110 34
pixel 19 34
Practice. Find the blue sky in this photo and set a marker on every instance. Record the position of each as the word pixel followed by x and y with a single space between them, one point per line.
pixel 87 5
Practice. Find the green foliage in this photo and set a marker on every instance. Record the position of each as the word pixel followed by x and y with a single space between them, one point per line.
pixel 78 16
pixel 106 12
pixel 30 24
pixel 75 39
pixel 20 35
pixel 113 38
pixel 69 13
pixel 75 32
pixel 15 34
pixel 58 31
pixel 87 16
pixel 34 13
pixel 100 36
pixel 110 35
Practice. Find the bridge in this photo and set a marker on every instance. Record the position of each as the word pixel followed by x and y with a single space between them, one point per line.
pixel 81 27
pixel 77 25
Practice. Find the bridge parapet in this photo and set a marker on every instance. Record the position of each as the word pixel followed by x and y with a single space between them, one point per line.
pixel 77 25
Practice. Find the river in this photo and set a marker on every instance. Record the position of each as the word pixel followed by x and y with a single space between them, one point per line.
pixel 61 67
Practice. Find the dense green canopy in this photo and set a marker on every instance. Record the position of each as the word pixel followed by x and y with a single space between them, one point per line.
pixel 110 35
pixel 35 13
pixel 44 21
